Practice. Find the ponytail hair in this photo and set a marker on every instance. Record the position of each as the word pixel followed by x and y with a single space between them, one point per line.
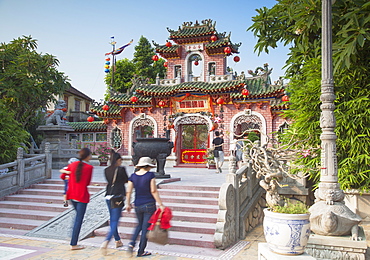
pixel 82 155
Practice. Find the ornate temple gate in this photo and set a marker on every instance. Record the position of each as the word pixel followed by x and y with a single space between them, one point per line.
pixel 192 139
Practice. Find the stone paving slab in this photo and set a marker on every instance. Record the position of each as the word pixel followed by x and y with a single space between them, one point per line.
pixel 56 249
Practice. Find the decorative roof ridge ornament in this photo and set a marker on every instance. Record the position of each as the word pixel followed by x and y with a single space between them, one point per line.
pixel 259 71
pixel 170 30
pixel 156 44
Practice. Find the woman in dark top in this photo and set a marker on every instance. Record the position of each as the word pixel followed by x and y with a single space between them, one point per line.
pixel 117 189
pixel 146 195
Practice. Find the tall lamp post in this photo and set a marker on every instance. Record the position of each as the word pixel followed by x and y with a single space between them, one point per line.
pixel 329 196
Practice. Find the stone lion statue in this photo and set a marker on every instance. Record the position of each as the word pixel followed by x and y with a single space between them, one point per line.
pixel 58 116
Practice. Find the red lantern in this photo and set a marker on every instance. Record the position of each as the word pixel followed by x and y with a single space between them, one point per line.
pixel 214 38
pixel 236 58
pixel 285 98
pixel 245 92
pixel 196 63
pixel 134 99
pixel 90 119
pixel 155 57
pixel 220 101
pixel 161 103
pixel 165 64
pixel 227 50
pixel 105 107
pixel 107 59
pixel 168 44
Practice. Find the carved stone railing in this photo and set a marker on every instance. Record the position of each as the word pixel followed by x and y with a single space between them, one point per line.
pixel 25 171
pixel 241 204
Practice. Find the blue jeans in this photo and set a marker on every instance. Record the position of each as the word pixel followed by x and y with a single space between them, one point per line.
pixel 115 215
pixel 143 214
pixel 80 209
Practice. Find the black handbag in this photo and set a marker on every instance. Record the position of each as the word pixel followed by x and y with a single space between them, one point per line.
pixel 117 201
pixel 215 153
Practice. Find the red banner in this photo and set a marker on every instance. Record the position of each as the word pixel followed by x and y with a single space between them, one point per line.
pixel 193 156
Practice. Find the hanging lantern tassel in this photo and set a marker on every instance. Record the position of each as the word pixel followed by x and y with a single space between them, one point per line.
pixel 134 99
pixel 227 50
pixel 220 101
pixel 155 58
pixel 285 98
pixel 245 93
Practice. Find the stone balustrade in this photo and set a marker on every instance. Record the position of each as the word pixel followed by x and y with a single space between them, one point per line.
pixel 28 169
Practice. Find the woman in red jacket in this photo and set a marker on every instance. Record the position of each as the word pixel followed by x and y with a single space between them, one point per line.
pixel 80 177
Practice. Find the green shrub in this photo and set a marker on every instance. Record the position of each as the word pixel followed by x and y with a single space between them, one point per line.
pixel 289 207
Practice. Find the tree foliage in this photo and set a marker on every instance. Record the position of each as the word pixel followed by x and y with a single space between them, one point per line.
pixel 297 23
pixel 141 65
pixel 124 71
pixel 28 80
pixel 12 134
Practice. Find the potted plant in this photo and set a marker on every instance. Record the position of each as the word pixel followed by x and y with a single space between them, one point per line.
pixel 103 152
pixel 287 228
pixel 286 224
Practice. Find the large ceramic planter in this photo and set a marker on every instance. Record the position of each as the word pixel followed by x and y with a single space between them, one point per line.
pixel 286 234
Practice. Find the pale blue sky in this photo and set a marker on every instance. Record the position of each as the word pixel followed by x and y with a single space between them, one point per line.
pixel 78 32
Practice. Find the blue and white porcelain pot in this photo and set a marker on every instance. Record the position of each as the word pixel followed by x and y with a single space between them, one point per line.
pixel 286 234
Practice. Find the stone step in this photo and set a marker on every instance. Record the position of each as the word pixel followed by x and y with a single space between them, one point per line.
pixel 175 237
pixel 27 214
pixel 25 224
pixel 181 187
pixel 187 200
pixel 32 198
pixel 12 231
pixel 181 226
pixel 213 209
pixel 184 216
pixel 188 193
pixel 59 187
pixel 61 182
pixel 50 192
pixel 57 207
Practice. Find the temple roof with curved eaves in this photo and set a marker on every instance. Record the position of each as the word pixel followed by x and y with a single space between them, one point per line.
pixel 259 89
pixel 190 33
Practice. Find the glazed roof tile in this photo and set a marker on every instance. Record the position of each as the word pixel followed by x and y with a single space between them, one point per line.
pixel 113 110
pixel 164 48
pixel 191 31
pixel 95 126
pixel 257 87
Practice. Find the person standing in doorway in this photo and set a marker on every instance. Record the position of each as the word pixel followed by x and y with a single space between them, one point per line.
pixel 80 178
pixel 146 195
pixel 218 143
pixel 116 177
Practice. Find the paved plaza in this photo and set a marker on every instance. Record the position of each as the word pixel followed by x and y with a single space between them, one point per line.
pixel 13 246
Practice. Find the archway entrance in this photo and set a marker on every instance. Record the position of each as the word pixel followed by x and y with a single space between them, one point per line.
pixel 194 143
